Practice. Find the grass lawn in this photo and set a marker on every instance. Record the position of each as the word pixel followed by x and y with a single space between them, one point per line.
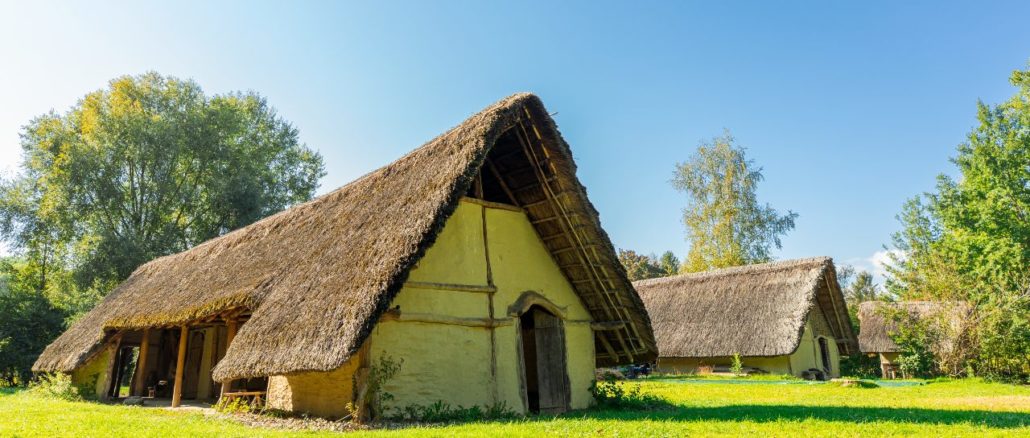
pixel 766 407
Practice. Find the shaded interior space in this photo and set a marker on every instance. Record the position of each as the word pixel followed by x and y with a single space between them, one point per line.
pixel 170 364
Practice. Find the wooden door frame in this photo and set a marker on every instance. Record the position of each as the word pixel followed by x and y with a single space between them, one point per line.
pixel 526 301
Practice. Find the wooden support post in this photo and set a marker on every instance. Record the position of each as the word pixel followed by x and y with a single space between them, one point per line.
pixel 230 332
pixel 180 364
pixel 140 384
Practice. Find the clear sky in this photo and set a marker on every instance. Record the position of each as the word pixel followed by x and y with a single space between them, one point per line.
pixel 849 108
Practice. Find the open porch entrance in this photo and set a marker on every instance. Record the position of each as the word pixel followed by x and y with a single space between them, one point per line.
pixel 174 363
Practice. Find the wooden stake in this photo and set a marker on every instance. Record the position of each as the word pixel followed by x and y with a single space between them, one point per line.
pixel 230 332
pixel 180 364
pixel 141 365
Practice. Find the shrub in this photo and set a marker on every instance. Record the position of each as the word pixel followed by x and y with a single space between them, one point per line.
pixel 737 366
pixel 56 385
pixel 442 412
pixel 611 394
pixel 376 398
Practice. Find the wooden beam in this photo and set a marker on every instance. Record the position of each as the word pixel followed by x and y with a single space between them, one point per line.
pixel 230 333
pixel 546 219
pixel 608 347
pixel 491 204
pixel 429 318
pixel 477 185
pixel 180 364
pixel 833 305
pixel 486 289
pixel 140 382
pixel 607 325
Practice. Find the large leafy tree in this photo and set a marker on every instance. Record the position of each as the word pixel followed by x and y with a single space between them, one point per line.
pixel 148 166
pixel 726 224
pixel 969 240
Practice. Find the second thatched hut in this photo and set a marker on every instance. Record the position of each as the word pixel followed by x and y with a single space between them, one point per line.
pixel 786 317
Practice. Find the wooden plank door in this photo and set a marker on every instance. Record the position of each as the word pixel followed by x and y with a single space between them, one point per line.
pixel 552 375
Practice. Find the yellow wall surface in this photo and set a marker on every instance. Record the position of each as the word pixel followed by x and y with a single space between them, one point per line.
pixel 807 355
pixel 319 394
pixel 459 364
pixel 520 262
pixel 454 346
pixel 94 373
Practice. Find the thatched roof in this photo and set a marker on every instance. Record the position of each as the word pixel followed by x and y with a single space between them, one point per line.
pixel 318 276
pixel 876 327
pixel 756 310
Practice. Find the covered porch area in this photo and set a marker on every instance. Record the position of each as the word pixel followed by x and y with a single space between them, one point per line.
pixel 171 365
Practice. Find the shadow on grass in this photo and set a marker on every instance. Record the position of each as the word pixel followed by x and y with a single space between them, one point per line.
pixel 842 414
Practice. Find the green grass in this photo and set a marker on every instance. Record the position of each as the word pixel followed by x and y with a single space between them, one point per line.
pixel 946 408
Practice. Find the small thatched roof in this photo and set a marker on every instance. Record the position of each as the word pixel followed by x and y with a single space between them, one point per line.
pixel 756 310
pixel 318 276
pixel 876 329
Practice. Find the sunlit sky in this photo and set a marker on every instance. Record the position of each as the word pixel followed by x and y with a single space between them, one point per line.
pixel 848 108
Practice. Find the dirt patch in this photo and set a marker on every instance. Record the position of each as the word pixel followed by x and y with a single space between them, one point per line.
pixel 292 423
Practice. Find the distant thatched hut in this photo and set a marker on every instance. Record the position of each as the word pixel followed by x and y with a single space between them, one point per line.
pixel 784 317
pixel 878 322
pixel 476 259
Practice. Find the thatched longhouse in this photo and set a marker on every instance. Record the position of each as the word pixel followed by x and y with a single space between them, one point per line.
pixel 784 317
pixel 476 262
pixel 878 323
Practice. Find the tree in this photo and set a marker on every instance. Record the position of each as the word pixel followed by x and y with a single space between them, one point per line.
pixel 726 225
pixel 146 167
pixel 639 266
pixel 28 322
pixel 845 275
pixel 861 289
pixel 969 240
pixel 669 264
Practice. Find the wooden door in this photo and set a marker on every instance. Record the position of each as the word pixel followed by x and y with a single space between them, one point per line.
pixel 551 371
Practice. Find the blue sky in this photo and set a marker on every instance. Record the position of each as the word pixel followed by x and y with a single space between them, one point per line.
pixel 849 108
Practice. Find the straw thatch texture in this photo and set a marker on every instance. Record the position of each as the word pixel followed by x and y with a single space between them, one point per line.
pixel 318 276
pixel 875 329
pixel 756 310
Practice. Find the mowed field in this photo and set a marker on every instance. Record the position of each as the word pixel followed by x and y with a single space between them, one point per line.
pixel 707 408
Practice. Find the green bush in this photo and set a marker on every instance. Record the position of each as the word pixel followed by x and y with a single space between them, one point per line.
pixel 443 412
pixel 610 394
pixel 737 367
pixel 57 385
